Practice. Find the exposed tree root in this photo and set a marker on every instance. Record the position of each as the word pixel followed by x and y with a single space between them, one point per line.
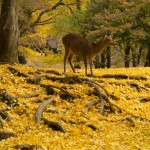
pixel 52 111
pixel 4 116
pixel 53 72
pixel 67 79
pixel 54 125
pixel 90 104
pixel 67 94
pixel 123 76
pixel 138 117
pixel 50 71
pixel 135 85
pixel 27 96
pixel 40 109
pixel 147 85
pixel 93 127
pixel 7 98
pixel 144 99
pixel 127 120
pixel 5 135
pixel 67 121
pixel 27 147
pixel 16 72
pixel 101 96
pixel 37 79
pixel 1 122
pixel 131 84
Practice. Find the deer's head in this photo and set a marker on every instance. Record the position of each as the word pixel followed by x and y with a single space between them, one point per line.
pixel 108 40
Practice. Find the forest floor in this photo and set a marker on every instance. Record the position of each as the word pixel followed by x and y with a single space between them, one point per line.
pixel 42 109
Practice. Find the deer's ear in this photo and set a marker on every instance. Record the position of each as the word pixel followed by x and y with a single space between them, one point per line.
pixel 105 36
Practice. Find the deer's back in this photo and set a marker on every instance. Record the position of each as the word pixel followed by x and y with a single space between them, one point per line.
pixel 76 43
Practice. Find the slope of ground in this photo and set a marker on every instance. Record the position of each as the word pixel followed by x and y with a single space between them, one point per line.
pixel 68 123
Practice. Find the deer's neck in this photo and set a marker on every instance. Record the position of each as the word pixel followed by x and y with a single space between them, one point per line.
pixel 99 47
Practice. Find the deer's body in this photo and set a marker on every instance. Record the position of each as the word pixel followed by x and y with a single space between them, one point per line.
pixel 77 45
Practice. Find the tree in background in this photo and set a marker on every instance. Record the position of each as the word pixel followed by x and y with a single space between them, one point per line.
pixel 143 22
pixel 9 32
pixel 120 17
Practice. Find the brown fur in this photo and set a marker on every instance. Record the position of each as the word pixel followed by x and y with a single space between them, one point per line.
pixel 77 45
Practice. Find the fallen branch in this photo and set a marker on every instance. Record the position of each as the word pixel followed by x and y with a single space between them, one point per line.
pixel 40 109
pixel 16 72
pixel 54 125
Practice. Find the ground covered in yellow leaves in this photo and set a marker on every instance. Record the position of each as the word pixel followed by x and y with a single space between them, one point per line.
pixel 125 128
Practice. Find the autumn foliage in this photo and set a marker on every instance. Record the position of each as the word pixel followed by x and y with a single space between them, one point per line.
pixel 42 109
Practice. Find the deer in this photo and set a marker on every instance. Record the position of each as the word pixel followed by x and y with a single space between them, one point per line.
pixel 75 44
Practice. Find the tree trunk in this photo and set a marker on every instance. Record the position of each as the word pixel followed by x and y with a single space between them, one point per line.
pixel 0 6
pixel 108 57
pixel 139 55
pixel 103 60
pixel 9 32
pixel 147 62
pixel 96 61
pixel 78 4
pixel 127 55
pixel 134 57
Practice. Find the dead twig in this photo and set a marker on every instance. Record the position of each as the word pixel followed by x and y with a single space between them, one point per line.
pixel 40 109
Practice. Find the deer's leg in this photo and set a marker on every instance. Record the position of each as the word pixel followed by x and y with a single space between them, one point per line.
pixel 65 58
pixel 85 64
pixel 90 61
pixel 70 61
